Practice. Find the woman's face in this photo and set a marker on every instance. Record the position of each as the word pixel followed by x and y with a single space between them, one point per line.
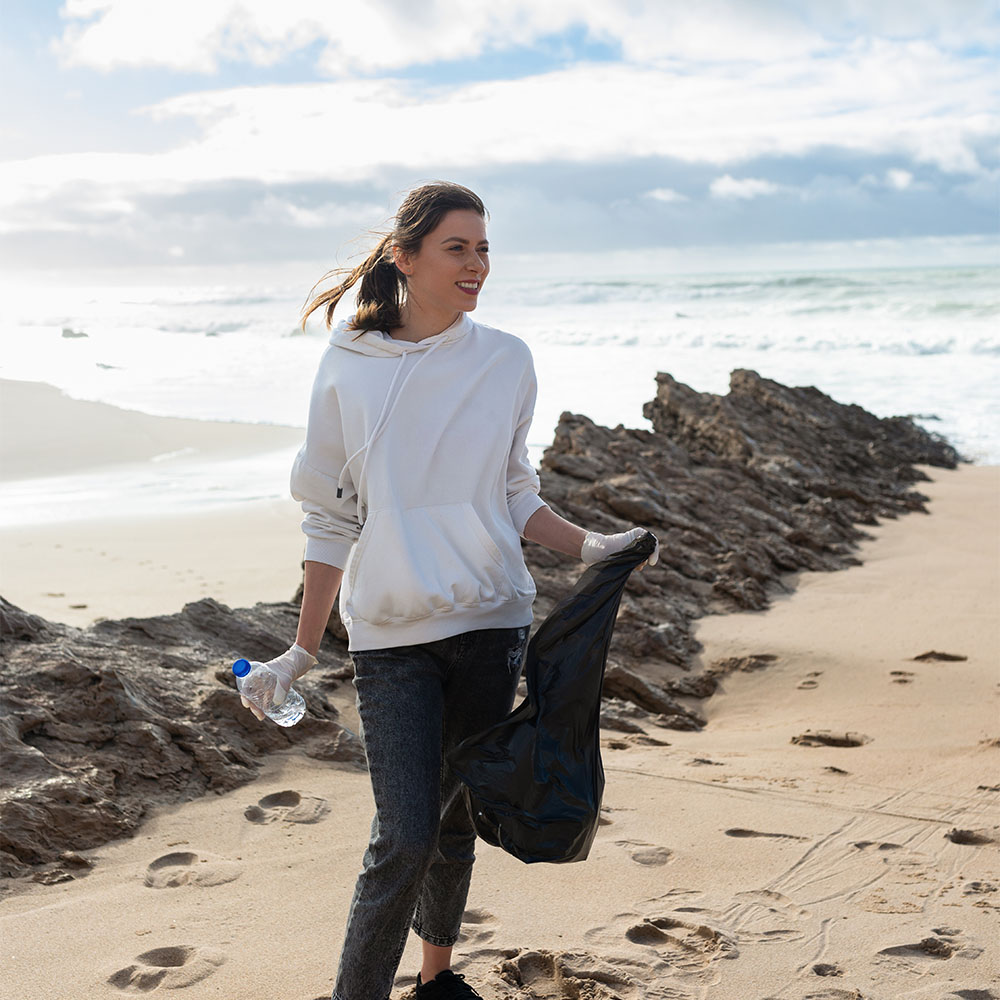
pixel 448 271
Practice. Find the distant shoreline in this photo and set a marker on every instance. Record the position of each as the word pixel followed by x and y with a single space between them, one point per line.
pixel 47 433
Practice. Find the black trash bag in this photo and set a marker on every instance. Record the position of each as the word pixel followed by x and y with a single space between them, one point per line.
pixel 534 781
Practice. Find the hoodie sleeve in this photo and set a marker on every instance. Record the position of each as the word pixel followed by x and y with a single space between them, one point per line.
pixel 522 479
pixel 330 523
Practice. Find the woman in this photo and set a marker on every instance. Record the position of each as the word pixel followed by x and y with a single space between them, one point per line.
pixel 416 488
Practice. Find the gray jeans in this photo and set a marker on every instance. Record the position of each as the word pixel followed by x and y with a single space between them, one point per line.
pixel 416 703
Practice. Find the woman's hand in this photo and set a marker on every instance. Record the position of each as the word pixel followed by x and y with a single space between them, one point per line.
pixel 287 668
pixel 597 546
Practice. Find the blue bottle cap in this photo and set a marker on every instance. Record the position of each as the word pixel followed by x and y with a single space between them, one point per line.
pixel 241 668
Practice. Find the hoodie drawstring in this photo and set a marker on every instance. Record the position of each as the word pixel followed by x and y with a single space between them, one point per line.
pixel 385 402
pixel 382 422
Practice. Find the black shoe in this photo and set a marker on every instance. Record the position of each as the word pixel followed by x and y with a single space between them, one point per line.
pixel 446 985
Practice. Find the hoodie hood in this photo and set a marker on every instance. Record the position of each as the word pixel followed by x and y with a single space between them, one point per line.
pixel 379 344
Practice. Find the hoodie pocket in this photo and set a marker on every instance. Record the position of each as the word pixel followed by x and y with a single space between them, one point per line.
pixel 421 561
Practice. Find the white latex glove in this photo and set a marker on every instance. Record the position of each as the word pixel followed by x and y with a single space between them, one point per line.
pixel 597 546
pixel 288 668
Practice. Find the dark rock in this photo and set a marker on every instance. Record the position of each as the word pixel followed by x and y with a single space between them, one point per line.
pixel 742 490
pixel 97 725
pixel 628 686
pixel 744 664
pixel 18 626
pixel 623 716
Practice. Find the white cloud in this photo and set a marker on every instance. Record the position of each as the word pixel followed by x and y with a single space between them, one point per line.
pixel 881 98
pixel 381 35
pixel 374 35
pixel 665 194
pixel 741 188
pixel 281 211
pixel 899 179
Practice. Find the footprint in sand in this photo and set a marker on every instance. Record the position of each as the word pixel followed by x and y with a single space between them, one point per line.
pixel 934 947
pixel 544 975
pixel 476 927
pixel 645 854
pixel 809 681
pixel 188 868
pixel 836 995
pixel 940 945
pixel 739 831
pixel 825 738
pixel 976 838
pixel 979 887
pixel 827 969
pixel 685 945
pixel 289 806
pixel 902 676
pixel 691 938
pixel 170 968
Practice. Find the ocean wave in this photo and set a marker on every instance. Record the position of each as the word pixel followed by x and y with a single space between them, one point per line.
pixel 864 341
pixel 829 308
pixel 182 302
pixel 977 310
pixel 589 293
pixel 913 349
pixel 784 281
pixel 914 295
pixel 209 329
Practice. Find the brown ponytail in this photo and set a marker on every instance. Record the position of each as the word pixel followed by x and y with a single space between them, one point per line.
pixel 383 285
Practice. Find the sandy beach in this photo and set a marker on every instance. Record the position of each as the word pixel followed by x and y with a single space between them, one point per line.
pixel 753 859
pixel 111 565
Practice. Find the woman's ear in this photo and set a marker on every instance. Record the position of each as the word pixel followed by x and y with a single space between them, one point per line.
pixel 401 259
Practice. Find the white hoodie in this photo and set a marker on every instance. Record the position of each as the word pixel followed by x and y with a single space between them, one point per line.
pixel 414 479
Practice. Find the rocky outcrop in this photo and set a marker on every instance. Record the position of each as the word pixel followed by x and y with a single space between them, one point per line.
pixel 743 489
pixel 99 724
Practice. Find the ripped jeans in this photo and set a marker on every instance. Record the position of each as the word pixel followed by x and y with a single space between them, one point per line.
pixel 416 703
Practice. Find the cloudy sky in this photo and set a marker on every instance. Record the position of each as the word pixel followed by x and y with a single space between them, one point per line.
pixel 214 131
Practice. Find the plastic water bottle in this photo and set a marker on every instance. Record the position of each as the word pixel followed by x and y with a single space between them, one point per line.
pixel 256 682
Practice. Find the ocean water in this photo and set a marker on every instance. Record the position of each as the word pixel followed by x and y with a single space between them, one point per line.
pixel 923 342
